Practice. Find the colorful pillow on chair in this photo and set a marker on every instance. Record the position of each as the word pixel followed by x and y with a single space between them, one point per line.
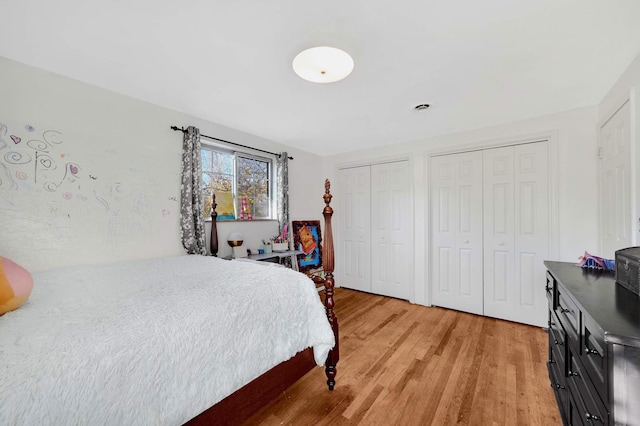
pixel 16 284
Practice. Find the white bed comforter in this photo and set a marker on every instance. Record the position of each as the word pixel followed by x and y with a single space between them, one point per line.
pixel 151 342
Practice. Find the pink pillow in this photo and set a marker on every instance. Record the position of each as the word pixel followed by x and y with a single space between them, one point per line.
pixel 16 284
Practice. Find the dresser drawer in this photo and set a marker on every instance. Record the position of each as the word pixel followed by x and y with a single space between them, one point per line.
pixel 558 383
pixel 557 340
pixel 594 357
pixel 589 405
pixel 570 317
pixel 575 415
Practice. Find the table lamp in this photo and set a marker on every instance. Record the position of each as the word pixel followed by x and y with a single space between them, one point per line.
pixel 235 240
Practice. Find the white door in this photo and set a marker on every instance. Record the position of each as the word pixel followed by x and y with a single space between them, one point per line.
pixel 391 230
pixel 516 228
pixel 616 214
pixel 456 231
pixel 355 227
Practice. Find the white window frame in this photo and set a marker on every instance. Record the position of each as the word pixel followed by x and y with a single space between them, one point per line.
pixel 270 160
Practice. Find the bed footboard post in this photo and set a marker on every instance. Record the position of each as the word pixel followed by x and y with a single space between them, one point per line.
pixel 329 302
pixel 334 354
pixel 213 240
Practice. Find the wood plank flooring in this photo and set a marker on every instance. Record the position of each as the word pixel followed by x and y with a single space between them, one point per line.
pixel 404 364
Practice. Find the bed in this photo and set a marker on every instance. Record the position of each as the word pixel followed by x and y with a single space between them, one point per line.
pixel 152 342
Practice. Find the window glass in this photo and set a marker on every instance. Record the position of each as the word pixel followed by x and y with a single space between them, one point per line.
pixel 236 177
pixel 253 184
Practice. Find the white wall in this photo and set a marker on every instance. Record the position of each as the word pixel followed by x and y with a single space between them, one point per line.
pixel 106 186
pixel 629 80
pixel 573 136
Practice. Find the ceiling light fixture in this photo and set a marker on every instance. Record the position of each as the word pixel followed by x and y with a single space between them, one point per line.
pixel 323 64
pixel 421 107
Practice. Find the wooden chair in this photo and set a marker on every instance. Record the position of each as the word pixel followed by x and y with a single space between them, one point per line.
pixel 307 237
pixel 309 263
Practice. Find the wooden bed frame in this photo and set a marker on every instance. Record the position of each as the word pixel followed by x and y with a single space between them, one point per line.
pixel 247 400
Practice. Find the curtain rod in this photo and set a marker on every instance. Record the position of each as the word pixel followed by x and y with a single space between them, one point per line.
pixel 183 130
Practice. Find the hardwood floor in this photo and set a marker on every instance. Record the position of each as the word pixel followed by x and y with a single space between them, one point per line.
pixel 404 364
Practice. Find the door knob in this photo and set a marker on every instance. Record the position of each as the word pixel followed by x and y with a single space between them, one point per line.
pixel 466 241
pixel 500 243
pixel 588 351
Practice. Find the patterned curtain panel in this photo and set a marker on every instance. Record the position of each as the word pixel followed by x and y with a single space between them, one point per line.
pixel 191 200
pixel 282 164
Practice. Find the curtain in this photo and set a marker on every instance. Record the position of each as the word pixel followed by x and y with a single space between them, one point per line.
pixel 191 200
pixel 282 165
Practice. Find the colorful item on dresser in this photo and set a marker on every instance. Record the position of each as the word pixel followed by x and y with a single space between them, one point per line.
pixel 16 284
pixel 595 262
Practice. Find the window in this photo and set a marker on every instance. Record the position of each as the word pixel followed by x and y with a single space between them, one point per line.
pixel 237 176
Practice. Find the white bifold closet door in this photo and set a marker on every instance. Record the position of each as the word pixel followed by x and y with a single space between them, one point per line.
pixel 376 229
pixel 355 227
pixel 391 230
pixel 489 232
pixel 516 228
pixel 456 237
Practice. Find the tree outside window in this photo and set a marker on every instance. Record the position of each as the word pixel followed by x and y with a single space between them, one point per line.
pixel 253 183
pixel 240 174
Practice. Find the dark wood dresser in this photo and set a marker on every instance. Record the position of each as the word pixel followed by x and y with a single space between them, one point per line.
pixel 594 346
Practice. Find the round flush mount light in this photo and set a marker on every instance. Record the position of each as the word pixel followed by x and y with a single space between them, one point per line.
pixel 421 107
pixel 323 64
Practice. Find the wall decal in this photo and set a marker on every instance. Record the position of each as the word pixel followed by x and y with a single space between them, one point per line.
pixel 38 145
pixel 14 157
pixel 109 193
pixel 47 163
pixel 9 178
pixel 115 189
pixel 101 200
pixel 52 137
pixel 44 171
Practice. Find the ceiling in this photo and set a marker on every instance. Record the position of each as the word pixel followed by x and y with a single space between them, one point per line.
pixel 478 63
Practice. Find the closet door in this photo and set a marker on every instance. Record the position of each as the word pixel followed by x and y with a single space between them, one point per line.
pixel 391 230
pixel 616 208
pixel 456 231
pixel 516 227
pixel 355 227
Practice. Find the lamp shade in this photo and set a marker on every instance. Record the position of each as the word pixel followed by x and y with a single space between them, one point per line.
pixel 323 64
pixel 235 239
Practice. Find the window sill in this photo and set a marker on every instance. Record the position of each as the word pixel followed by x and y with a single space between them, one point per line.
pixel 242 221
